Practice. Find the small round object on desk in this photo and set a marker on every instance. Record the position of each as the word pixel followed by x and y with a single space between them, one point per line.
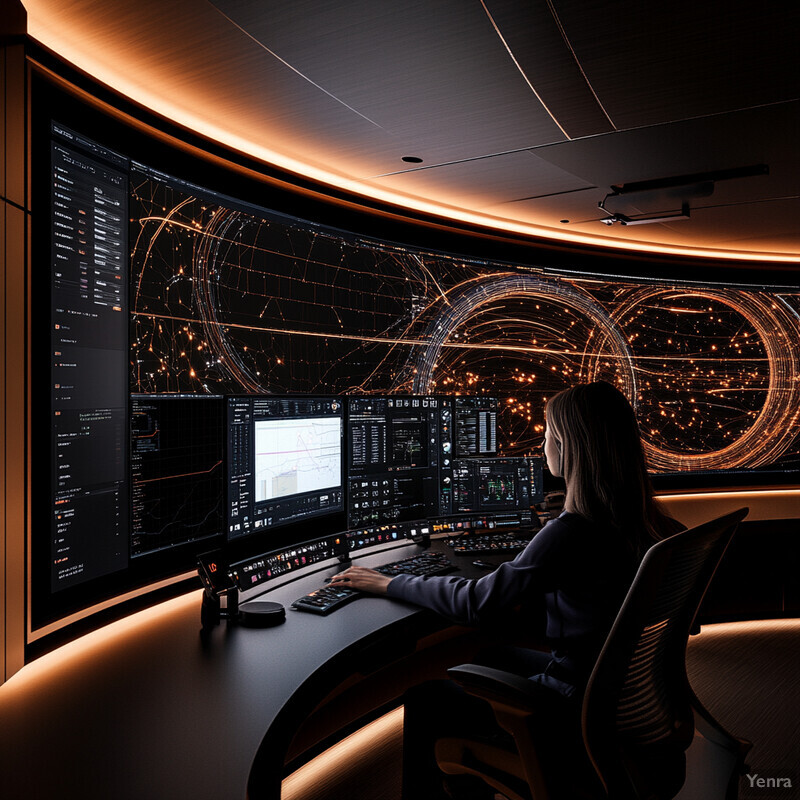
pixel 261 614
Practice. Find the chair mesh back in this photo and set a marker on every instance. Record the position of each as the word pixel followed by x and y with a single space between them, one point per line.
pixel 638 698
pixel 646 711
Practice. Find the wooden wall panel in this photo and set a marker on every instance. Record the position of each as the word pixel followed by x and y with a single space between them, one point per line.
pixel 13 357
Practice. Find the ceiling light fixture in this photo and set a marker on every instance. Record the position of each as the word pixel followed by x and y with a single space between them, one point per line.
pixel 664 192
pixel 625 220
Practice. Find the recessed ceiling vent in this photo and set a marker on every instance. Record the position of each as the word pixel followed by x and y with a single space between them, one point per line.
pixel 666 199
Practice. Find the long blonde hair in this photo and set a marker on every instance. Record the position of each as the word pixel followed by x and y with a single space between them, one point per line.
pixel 604 464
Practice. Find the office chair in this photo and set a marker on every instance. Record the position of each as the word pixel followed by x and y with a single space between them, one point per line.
pixel 641 734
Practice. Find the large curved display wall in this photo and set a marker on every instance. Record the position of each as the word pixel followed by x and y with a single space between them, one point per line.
pixel 196 276
pixel 225 300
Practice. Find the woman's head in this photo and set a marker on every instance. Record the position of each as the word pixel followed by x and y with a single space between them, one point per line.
pixel 591 426
pixel 593 441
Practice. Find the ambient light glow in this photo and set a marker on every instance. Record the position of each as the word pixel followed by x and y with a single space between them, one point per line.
pixel 170 76
pixel 73 658
pixel 226 301
pixel 377 744
pixel 730 643
pixel 695 508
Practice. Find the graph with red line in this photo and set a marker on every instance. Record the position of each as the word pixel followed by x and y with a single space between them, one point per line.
pixel 296 456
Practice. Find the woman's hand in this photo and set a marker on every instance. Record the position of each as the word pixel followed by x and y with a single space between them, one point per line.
pixel 366 580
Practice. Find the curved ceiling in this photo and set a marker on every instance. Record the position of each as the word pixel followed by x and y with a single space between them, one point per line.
pixel 526 114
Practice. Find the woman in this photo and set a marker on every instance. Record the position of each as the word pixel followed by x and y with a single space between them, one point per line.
pixel 581 562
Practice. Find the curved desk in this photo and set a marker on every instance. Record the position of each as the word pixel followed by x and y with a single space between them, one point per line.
pixel 144 709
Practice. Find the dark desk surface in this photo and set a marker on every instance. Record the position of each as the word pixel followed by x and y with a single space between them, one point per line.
pixel 142 709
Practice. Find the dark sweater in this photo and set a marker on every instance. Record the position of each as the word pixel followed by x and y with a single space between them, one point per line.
pixel 582 569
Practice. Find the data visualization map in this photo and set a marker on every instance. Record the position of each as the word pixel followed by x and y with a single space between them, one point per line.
pixel 230 300
pixel 295 456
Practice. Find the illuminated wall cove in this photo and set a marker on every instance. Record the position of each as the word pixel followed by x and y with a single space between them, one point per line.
pixel 229 299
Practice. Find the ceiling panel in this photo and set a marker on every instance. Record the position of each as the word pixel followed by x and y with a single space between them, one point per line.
pixel 213 76
pixel 341 91
pixel 487 184
pixel 720 142
pixel 533 33
pixel 435 75
pixel 656 62
pixel 770 225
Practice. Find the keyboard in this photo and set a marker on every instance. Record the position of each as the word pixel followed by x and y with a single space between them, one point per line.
pixel 326 599
pixel 427 563
pixel 329 598
pixel 486 544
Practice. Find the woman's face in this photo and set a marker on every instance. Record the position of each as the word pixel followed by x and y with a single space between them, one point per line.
pixel 552 450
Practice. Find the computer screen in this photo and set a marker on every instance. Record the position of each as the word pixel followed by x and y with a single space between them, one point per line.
pixel 88 360
pixel 536 474
pixel 491 484
pixel 475 426
pixel 399 458
pixel 284 461
pixel 176 468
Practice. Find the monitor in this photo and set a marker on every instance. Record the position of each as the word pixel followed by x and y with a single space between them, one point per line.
pixel 475 426
pixel 284 461
pixel 176 469
pixel 399 458
pixel 536 474
pixel 491 485
pixel 89 349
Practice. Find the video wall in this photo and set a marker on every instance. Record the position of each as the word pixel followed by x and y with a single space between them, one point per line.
pixel 169 296
pixel 229 299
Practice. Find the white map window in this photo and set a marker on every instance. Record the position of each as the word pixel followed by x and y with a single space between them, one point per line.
pixel 296 456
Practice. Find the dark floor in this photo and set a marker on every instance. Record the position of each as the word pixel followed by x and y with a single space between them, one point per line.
pixel 745 673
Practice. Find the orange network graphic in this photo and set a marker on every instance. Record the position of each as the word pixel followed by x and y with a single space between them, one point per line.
pixel 229 300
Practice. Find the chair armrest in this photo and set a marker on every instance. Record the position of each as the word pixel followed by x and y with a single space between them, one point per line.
pixel 497 686
pixel 515 701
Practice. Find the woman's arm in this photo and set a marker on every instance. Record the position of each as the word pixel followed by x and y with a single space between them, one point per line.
pixel 466 600
pixel 363 579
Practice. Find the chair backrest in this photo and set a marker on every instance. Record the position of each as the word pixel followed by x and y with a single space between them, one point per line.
pixel 637 716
